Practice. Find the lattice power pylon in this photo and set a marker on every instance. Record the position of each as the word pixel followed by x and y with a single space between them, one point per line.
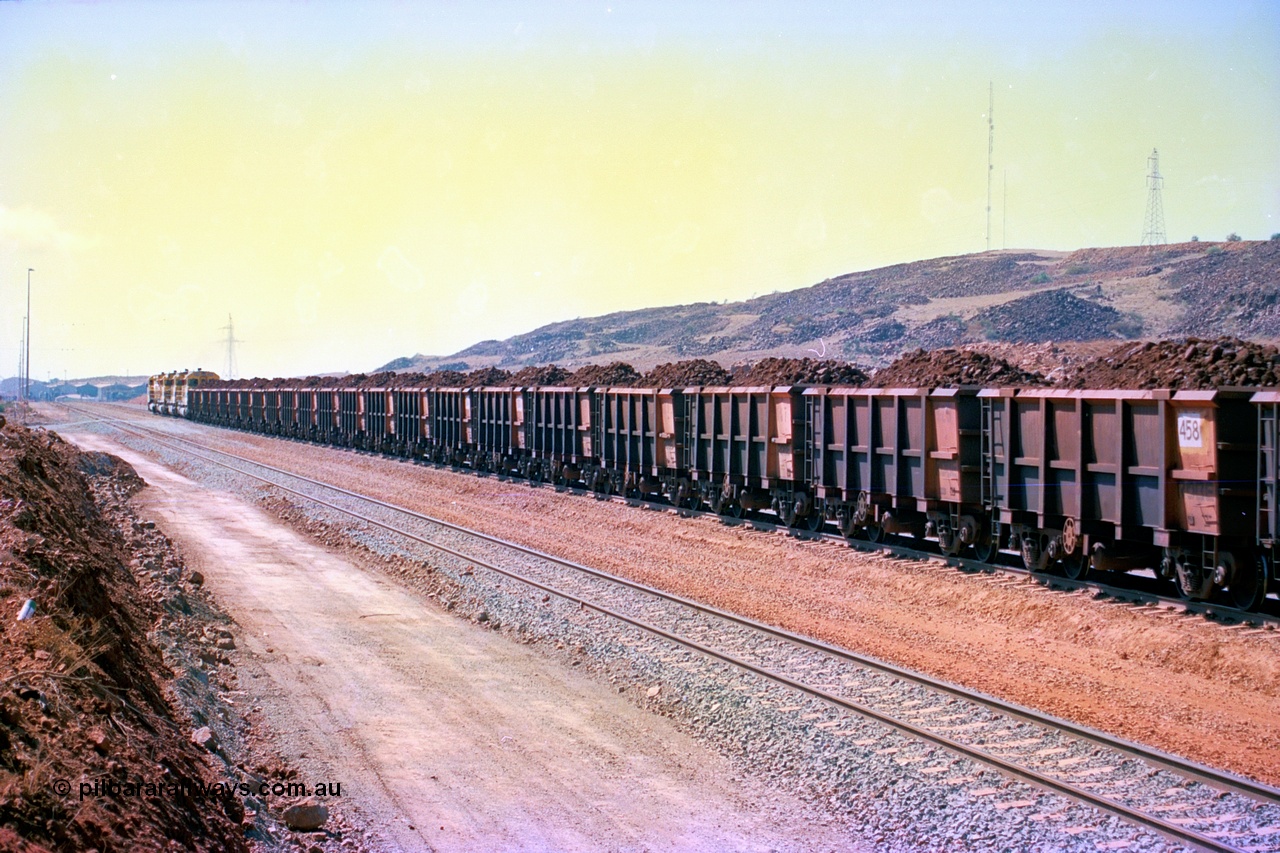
pixel 1153 228
pixel 230 329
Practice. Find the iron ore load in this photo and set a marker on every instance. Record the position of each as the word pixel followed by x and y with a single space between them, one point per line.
pixel 1182 481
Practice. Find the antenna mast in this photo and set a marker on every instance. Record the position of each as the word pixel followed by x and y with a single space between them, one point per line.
pixel 1004 213
pixel 1153 227
pixel 230 329
pixel 991 147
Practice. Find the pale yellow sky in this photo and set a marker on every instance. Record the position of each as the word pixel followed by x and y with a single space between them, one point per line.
pixel 356 182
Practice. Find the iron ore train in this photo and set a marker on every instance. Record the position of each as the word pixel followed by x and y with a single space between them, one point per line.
pixel 1181 482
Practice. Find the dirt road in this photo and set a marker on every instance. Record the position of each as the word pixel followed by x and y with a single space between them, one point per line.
pixel 443 735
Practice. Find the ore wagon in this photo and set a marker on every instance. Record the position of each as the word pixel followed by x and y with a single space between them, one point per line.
pixel 899 461
pixel 558 433
pixel 408 411
pixel 497 428
pixel 744 450
pixel 1123 480
pixel 449 425
pixel 637 440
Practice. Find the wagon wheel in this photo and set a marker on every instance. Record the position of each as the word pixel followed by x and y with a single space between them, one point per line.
pixel 815 520
pixel 987 548
pixel 1077 566
pixel 1248 586
pixel 875 532
pixel 535 472
pixel 786 512
pixel 736 509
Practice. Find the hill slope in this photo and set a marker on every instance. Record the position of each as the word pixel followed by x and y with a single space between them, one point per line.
pixel 871 316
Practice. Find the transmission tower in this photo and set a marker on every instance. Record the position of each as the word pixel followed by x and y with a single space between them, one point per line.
pixel 230 329
pixel 991 147
pixel 1153 228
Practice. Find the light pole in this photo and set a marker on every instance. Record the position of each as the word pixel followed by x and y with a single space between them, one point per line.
pixel 26 382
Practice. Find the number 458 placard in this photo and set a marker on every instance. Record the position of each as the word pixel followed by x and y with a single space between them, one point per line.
pixel 1189 429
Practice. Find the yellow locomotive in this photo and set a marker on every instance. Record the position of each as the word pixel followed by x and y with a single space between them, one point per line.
pixel 167 392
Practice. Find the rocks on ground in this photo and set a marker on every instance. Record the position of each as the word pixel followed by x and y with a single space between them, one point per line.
pixel 1055 315
pixel 84 693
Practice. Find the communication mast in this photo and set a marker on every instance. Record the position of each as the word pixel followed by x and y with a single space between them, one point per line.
pixel 1153 228
pixel 230 329
pixel 991 147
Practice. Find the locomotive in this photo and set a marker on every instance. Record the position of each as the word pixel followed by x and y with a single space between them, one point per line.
pixel 167 393
pixel 1073 481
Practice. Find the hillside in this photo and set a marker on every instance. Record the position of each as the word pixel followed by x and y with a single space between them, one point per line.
pixel 872 316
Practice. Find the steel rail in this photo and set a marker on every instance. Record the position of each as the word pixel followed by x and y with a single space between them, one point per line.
pixel 1187 768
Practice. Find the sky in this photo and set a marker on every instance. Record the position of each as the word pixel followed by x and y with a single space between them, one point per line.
pixel 353 182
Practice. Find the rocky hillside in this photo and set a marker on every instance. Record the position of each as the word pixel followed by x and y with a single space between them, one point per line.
pixel 872 316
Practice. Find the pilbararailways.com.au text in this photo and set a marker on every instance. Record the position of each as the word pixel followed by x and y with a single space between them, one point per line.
pixel 116 789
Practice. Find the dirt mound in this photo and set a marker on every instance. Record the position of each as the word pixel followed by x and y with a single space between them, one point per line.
pixel 1055 315
pixel 799 371
pixel 696 371
pixel 947 367
pixel 83 697
pixel 618 374
pixel 1192 363
pixel 545 374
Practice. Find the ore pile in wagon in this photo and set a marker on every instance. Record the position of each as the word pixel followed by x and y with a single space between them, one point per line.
pixel 682 374
pixel 948 368
pixel 618 374
pixel 444 379
pixel 487 377
pixel 542 374
pixel 1193 363
pixel 799 371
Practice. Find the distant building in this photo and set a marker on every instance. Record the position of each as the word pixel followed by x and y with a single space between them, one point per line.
pixel 120 391
pixel 87 390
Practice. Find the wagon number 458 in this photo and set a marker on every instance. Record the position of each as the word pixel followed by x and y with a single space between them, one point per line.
pixel 1189 431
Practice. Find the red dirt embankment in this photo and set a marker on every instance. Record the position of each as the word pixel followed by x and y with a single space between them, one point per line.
pixel 81 697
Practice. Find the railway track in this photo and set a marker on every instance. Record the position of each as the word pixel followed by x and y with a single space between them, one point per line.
pixel 1132 589
pixel 1185 801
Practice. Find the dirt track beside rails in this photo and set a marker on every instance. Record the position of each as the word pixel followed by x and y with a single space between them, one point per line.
pixel 444 735
pixel 1179 683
